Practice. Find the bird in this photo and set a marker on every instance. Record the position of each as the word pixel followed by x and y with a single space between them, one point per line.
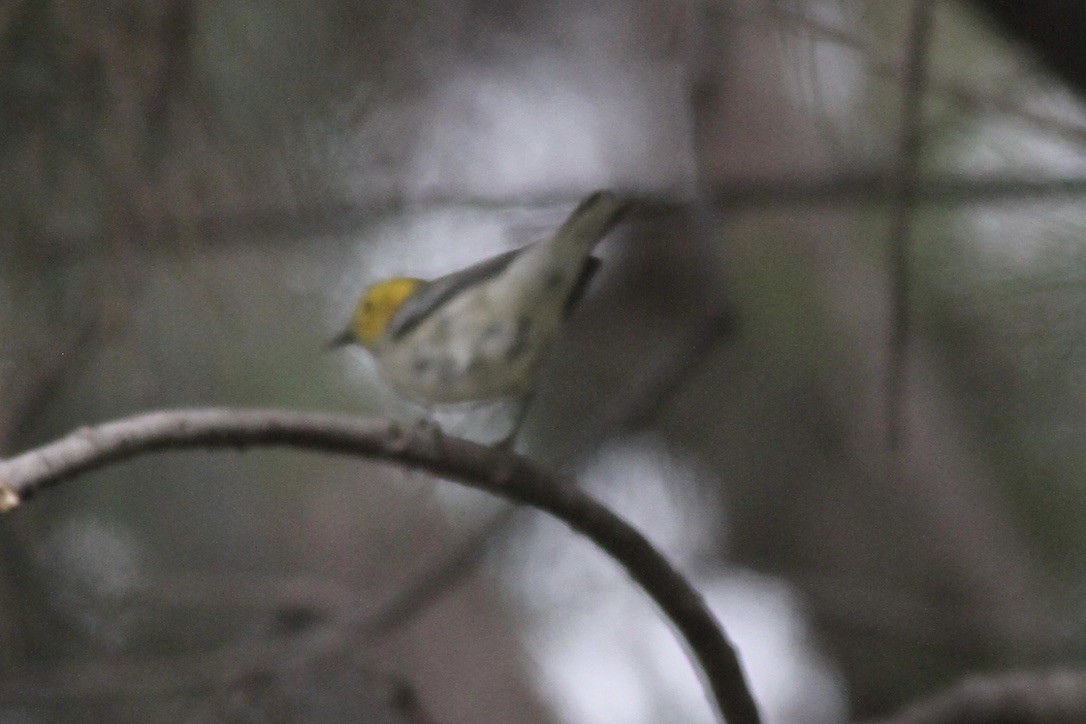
pixel 481 333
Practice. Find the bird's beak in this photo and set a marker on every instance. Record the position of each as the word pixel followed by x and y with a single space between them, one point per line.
pixel 341 340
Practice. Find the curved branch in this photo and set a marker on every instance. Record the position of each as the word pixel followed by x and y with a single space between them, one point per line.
pixel 497 471
pixel 1038 696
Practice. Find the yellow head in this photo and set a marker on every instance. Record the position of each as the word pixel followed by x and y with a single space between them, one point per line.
pixel 377 307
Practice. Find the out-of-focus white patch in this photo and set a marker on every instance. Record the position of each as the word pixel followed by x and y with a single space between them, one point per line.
pixel 1015 237
pixel 1018 235
pixel 788 676
pixel 661 495
pixel 606 654
pixel 1001 145
pixel 616 659
pixel 94 568
pixel 1009 236
pixel 825 77
pixel 552 118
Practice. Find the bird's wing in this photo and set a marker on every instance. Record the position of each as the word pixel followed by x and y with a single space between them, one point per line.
pixel 435 293
pixel 586 225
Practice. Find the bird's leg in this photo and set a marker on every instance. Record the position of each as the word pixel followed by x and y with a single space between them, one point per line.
pixel 507 442
pixel 424 432
pixel 429 432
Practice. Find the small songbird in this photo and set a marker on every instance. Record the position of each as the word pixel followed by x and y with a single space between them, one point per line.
pixel 481 332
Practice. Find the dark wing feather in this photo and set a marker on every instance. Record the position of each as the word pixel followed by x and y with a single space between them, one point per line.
pixel 591 266
pixel 440 290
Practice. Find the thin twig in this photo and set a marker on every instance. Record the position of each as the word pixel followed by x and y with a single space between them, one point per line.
pixel 303 221
pixel 499 472
pixel 871 187
pixel 904 200
pixel 176 34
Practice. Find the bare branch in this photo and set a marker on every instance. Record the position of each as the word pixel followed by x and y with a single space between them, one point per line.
pixel 1052 697
pixel 497 471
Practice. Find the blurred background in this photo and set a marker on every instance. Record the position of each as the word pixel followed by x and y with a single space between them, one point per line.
pixel 834 364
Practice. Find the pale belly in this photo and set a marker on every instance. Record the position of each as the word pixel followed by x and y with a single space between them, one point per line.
pixel 454 357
